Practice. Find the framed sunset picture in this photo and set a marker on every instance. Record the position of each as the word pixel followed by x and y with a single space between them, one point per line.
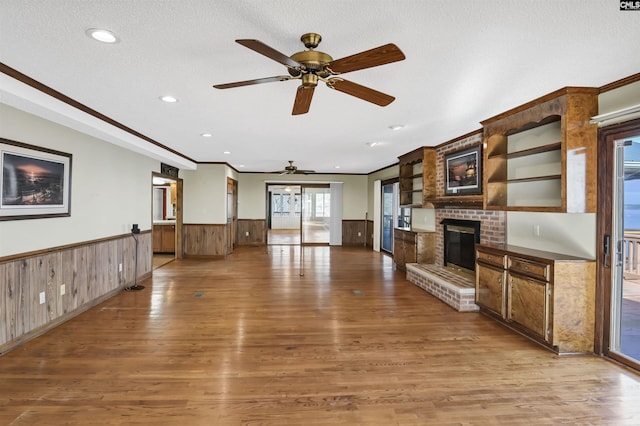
pixel 35 182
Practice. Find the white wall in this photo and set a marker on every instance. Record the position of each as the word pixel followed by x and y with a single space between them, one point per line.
pixel 384 174
pixel 567 233
pixel 204 194
pixel 110 187
pixel 252 192
pixel 621 98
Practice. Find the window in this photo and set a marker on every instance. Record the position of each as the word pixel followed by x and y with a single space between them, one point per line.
pixel 323 204
pixel 281 204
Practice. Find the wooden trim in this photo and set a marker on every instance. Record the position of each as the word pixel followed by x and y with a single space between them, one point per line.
pixel 620 83
pixel 414 156
pixel 41 252
pixel 540 100
pixel 5 69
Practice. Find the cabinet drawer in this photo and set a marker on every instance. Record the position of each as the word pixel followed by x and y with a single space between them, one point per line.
pixel 529 267
pixel 491 258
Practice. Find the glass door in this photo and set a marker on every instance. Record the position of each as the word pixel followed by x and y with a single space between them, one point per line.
pixel 625 250
pixel 316 213
pixel 389 207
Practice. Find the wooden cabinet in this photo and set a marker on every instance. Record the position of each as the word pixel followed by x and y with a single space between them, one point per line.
pixel 404 248
pixel 164 238
pixel 548 297
pixel 410 178
pixel 417 176
pixel 542 156
pixel 490 282
pixel 529 304
pixel 413 247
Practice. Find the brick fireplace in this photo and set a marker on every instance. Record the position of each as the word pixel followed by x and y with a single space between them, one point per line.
pixel 453 289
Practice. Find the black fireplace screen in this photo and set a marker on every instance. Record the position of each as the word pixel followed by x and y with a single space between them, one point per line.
pixel 460 238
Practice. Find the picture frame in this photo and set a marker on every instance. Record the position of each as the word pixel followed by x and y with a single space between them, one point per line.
pixel 463 172
pixel 35 182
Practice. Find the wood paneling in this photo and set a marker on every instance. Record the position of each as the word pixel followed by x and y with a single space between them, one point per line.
pixel 205 239
pixel 257 229
pixel 89 272
pixel 353 232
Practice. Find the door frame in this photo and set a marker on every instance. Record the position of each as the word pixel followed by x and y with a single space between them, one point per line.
pixel 179 250
pixel 604 285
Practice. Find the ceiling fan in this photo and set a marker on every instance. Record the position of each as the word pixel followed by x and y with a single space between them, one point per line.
pixel 311 66
pixel 293 170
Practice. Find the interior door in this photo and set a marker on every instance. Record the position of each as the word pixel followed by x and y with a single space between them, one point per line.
pixel 316 214
pixel 619 224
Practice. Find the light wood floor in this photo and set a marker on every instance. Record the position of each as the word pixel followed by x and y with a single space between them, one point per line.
pixel 248 341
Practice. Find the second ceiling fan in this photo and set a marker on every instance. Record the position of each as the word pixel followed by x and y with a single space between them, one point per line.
pixel 311 65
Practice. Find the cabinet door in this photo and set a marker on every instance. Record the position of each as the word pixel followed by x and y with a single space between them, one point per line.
pixel 169 238
pixel 490 288
pixel 410 252
pixel 157 238
pixel 398 251
pixel 528 304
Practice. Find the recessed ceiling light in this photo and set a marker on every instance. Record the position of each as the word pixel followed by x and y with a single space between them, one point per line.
pixel 241 165
pixel 337 167
pixel 227 152
pixel 396 127
pixel 375 143
pixel 104 36
pixel 206 135
pixel 169 99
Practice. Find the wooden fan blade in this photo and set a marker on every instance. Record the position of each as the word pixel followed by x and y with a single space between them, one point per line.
pixel 370 58
pixel 304 172
pixel 250 82
pixel 269 52
pixel 359 91
pixel 303 100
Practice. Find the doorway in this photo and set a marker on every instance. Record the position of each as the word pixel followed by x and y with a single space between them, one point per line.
pixel 298 214
pixel 166 215
pixel 619 230
pixel 316 214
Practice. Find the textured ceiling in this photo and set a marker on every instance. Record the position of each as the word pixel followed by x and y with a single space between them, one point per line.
pixel 466 61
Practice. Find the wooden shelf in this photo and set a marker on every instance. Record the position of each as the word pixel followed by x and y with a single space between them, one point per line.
pixel 459 201
pixel 527 161
pixel 556 146
pixel 535 178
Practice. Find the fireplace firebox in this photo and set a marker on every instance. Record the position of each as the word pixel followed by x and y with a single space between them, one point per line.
pixel 460 238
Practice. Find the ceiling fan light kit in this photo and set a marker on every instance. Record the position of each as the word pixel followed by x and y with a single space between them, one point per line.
pixel 310 65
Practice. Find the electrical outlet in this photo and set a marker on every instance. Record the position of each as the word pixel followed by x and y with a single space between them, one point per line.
pixel 246 234
pixel 536 230
pixel 63 290
pixel 119 267
pixel 359 234
pixel 42 297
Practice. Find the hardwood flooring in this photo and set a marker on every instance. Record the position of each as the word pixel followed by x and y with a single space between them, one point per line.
pixel 248 341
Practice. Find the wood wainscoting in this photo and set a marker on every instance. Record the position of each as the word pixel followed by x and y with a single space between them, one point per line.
pixel 353 232
pixel 252 232
pixel 89 271
pixel 202 239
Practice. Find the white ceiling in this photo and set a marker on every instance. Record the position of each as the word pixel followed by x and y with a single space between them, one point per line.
pixel 467 60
